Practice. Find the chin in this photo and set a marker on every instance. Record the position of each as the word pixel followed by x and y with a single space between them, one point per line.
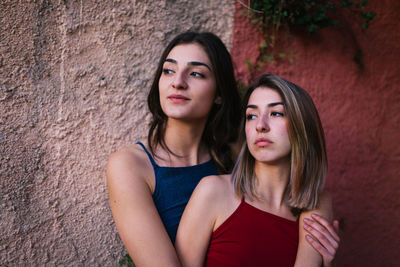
pixel 272 159
pixel 176 114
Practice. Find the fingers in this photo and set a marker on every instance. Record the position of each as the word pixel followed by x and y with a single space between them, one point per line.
pixel 322 235
pixel 326 255
pixel 336 225
pixel 332 230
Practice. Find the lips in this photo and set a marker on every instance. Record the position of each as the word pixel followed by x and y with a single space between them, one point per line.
pixel 261 142
pixel 178 98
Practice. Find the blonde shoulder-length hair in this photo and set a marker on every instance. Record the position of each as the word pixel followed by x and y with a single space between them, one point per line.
pixel 308 155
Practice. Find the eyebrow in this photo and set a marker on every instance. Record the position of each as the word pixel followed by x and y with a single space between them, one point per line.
pixel 191 63
pixel 273 104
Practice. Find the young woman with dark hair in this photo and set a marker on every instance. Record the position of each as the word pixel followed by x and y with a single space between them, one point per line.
pixel 251 217
pixel 194 102
pixel 220 129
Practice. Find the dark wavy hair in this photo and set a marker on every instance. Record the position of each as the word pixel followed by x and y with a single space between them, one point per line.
pixel 222 125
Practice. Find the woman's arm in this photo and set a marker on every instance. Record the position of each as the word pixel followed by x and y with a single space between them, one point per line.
pixel 135 215
pixel 323 240
pixel 197 223
pixel 323 237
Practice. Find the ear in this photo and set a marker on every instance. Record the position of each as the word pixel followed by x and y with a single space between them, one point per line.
pixel 218 100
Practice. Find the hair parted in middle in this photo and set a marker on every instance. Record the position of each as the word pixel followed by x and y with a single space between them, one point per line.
pixel 308 154
pixel 223 121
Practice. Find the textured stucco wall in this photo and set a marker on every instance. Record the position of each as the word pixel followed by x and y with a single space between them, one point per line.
pixel 360 111
pixel 74 76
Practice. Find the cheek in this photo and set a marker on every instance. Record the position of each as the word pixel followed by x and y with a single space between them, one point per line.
pixel 205 96
pixel 207 99
pixel 283 129
pixel 161 85
pixel 283 133
pixel 248 133
pixel 162 93
pixel 209 93
pixel 285 136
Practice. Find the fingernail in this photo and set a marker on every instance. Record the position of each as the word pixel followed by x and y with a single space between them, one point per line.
pixel 306 220
pixel 314 215
pixel 308 237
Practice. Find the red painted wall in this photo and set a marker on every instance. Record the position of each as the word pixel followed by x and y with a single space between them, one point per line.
pixel 360 111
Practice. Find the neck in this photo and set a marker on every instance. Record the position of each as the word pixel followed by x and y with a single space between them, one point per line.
pixel 272 181
pixel 184 140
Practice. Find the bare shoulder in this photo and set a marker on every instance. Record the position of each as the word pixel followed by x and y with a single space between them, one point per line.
pixel 214 187
pixel 212 191
pixel 218 195
pixel 133 154
pixel 324 207
pixel 129 165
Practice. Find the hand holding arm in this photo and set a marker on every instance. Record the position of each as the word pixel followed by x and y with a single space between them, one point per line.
pixel 323 237
pixel 320 248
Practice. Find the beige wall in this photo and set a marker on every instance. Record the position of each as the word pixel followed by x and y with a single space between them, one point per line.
pixel 74 76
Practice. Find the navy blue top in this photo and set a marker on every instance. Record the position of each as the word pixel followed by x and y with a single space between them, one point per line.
pixel 174 186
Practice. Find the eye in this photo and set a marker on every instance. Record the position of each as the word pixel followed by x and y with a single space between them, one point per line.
pixel 250 117
pixel 277 114
pixel 197 74
pixel 167 71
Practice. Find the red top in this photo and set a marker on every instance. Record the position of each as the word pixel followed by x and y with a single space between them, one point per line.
pixel 253 237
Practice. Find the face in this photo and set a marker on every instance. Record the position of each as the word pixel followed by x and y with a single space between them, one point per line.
pixel 266 126
pixel 187 84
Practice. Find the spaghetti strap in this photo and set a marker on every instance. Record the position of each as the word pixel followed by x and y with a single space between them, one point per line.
pixel 148 154
pixel 173 187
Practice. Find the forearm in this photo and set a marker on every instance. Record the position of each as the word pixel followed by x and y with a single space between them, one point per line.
pixel 135 215
pixel 318 239
pixel 196 226
pixel 306 256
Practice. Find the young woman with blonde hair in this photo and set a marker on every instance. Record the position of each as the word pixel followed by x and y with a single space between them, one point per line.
pixel 251 217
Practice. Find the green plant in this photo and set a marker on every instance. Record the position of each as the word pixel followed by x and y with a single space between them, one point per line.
pixel 126 261
pixel 311 15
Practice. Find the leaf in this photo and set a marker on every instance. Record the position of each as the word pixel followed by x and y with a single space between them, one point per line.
pixel 369 16
pixel 269 58
pixel 264 44
pixel 364 3
pixel 249 65
pixel 346 3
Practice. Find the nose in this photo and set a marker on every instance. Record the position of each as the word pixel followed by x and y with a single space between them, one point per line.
pixel 263 124
pixel 179 81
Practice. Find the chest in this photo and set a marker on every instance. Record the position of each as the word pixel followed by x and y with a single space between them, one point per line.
pixel 254 238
